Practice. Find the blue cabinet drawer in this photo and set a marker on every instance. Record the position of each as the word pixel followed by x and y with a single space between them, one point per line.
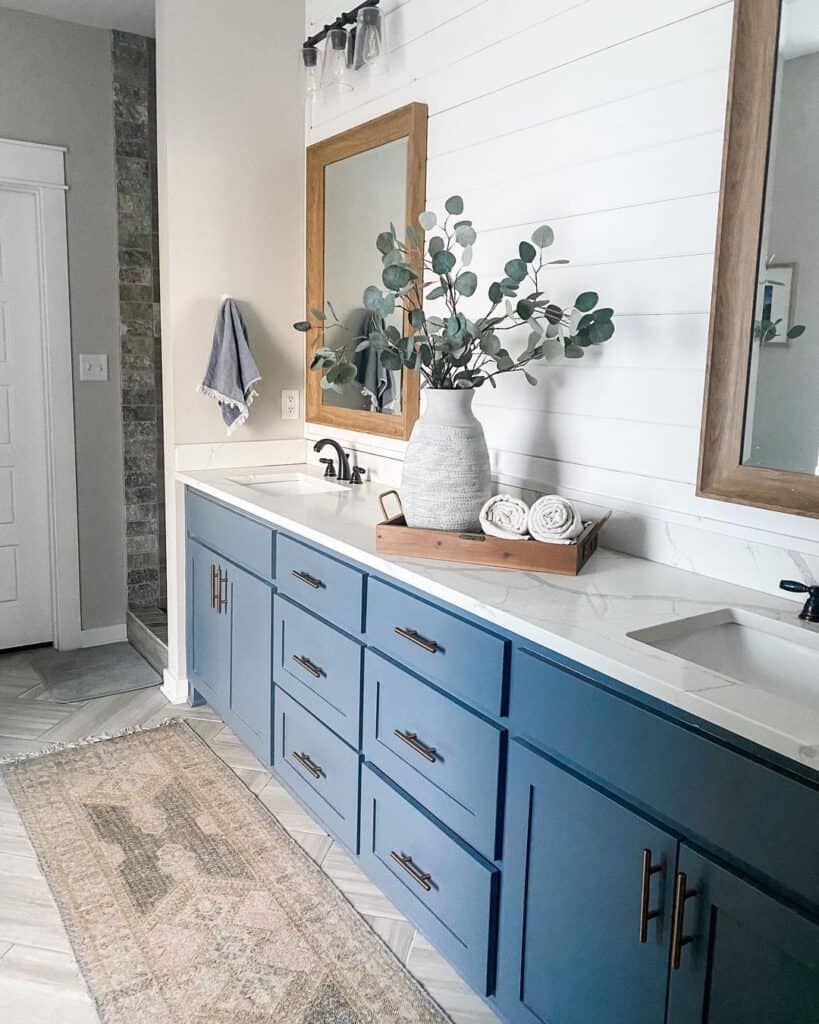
pixel 244 541
pixel 321 668
pixel 458 655
pixel 444 755
pixel 745 811
pixel 321 769
pixel 321 583
pixel 448 891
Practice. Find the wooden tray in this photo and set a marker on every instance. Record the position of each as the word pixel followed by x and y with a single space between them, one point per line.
pixel 394 537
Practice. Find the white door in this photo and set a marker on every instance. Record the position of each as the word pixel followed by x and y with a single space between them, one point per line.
pixel 25 557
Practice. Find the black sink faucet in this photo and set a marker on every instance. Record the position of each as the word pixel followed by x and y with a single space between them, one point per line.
pixel 343 461
pixel 810 613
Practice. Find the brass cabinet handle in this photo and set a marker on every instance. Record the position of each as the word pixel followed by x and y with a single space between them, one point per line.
pixel 305 577
pixel 647 915
pixel 678 940
pixel 423 878
pixel 411 740
pixel 430 646
pixel 308 765
pixel 212 585
pixel 223 582
pixel 308 666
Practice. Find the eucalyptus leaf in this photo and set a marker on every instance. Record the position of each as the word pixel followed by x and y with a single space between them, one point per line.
pixel 466 256
pixel 443 262
pixel 436 244
pixel 390 359
pixel 385 242
pixel 454 205
pixel 417 317
pixel 796 331
pixel 543 237
pixel 428 220
pixel 465 235
pixel 466 282
pixel 413 237
pixel 319 314
pixel 527 252
pixel 601 332
pixel 372 298
pixel 515 270
pixel 436 292
pixel 303 326
pixel 586 301
pixel 529 378
pixel 397 276
pixel 495 293
pixel 525 308
pixel 490 344
pixel 573 352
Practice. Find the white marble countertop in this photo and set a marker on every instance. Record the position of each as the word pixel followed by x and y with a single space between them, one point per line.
pixel 586 618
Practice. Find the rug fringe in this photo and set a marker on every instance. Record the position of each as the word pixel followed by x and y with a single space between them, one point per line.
pixel 86 741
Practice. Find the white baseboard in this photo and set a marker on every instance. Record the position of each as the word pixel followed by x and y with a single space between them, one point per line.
pixel 175 689
pixel 104 635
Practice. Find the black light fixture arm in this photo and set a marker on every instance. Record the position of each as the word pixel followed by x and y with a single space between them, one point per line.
pixel 344 19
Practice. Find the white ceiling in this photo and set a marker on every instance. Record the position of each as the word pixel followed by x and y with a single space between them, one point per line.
pixel 125 15
pixel 800 28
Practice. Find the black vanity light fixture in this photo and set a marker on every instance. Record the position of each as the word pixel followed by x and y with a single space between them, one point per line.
pixel 354 41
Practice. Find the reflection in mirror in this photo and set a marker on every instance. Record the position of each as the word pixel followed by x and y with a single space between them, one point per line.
pixel 363 195
pixel 782 412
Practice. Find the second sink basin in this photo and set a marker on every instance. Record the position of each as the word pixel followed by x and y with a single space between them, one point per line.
pixel 778 657
pixel 286 483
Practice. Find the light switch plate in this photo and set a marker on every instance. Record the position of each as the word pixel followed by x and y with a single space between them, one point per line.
pixel 290 404
pixel 93 367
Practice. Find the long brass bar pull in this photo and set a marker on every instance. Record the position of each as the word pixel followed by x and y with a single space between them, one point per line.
pixel 223 582
pixel 308 666
pixel 423 878
pixel 430 646
pixel 308 765
pixel 647 915
pixel 678 939
pixel 213 586
pixel 305 577
pixel 428 753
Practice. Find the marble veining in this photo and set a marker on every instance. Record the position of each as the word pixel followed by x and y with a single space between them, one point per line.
pixel 586 618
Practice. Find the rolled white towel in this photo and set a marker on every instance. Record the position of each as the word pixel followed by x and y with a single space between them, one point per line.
pixel 505 517
pixel 554 520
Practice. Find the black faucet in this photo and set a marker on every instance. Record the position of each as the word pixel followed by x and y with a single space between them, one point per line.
pixel 810 613
pixel 343 461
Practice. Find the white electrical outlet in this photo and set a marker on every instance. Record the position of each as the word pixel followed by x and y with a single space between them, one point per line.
pixel 93 368
pixel 290 404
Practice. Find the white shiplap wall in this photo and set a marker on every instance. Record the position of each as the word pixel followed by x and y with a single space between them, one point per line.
pixel 606 121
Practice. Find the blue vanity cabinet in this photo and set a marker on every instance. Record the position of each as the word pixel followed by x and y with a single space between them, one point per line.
pixel 744 958
pixel 208 629
pixel 250 607
pixel 577 887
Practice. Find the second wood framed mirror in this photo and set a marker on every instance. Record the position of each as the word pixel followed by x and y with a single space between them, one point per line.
pixel 358 183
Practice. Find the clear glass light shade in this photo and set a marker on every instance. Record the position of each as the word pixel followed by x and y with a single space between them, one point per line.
pixel 312 71
pixel 335 75
pixel 370 40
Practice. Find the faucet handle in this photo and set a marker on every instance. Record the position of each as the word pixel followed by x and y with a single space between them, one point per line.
pixel 357 474
pixel 810 613
pixel 331 469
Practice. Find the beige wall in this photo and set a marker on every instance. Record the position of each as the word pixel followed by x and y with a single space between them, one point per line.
pixel 56 87
pixel 231 158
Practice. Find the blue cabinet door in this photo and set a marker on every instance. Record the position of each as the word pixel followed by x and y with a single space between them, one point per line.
pixel 572 900
pixel 208 629
pixel 251 674
pixel 744 958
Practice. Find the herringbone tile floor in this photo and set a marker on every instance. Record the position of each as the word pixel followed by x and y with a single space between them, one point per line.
pixel 40 982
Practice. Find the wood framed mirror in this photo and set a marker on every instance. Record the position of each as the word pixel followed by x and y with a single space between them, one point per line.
pixel 358 183
pixel 760 434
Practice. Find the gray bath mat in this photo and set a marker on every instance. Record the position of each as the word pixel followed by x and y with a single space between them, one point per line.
pixel 72 676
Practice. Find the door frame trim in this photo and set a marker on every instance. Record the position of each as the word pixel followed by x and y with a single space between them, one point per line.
pixel 39 170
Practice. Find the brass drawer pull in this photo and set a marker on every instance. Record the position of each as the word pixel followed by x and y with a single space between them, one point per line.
pixel 212 585
pixel 308 666
pixel 411 740
pixel 423 878
pixel 308 765
pixel 430 646
pixel 678 940
pixel 647 915
pixel 222 602
pixel 305 577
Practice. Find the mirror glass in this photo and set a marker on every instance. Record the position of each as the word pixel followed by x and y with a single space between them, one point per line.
pixel 782 413
pixel 363 195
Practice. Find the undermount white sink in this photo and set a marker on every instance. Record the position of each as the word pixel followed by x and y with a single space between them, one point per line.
pixel 779 657
pixel 286 483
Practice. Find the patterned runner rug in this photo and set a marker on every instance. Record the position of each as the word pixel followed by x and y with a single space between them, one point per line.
pixel 187 903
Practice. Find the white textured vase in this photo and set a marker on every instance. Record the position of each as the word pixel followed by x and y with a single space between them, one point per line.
pixel 445 480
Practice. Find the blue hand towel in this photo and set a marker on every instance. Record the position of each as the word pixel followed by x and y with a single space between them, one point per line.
pixel 232 371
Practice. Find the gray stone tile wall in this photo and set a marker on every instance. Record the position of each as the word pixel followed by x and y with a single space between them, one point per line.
pixel 133 60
